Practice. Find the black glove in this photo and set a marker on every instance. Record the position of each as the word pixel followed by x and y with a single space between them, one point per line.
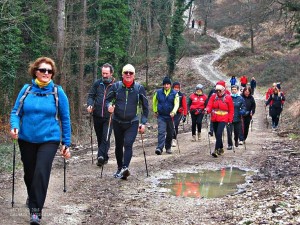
pixel 183 119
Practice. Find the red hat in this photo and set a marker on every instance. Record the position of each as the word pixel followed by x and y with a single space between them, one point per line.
pixel 220 85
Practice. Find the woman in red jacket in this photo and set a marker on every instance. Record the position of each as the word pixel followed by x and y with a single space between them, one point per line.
pixel 196 105
pixel 220 105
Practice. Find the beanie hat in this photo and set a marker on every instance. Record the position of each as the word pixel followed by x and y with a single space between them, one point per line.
pixel 199 87
pixel 176 84
pixel 278 86
pixel 220 85
pixel 128 68
pixel 167 80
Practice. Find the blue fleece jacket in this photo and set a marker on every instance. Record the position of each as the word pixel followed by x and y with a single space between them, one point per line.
pixel 36 120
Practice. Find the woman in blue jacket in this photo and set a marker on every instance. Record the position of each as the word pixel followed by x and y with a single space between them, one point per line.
pixel 40 120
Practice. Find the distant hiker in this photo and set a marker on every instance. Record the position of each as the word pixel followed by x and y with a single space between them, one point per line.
pixel 196 105
pixel 123 101
pixel 239 110
pixel 270 91
pixel 243 81
pixel 165 106
pixel 220 105
pixel 96 106
pixel 250 110
pixel 40 120
pixel 199 24
pixel 233 80
pixel 275 102
pixel 181 112
pixel 253 84
pixel 193 23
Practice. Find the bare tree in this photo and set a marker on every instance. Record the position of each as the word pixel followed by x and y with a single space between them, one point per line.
pixel 61 21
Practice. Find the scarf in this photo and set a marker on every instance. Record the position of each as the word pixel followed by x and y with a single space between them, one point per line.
pixel 41 84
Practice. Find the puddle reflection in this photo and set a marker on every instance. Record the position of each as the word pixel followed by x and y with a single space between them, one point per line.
pixel 206 183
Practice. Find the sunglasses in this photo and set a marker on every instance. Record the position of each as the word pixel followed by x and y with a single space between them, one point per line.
pixel 127 72
pixel 43 70
pixel 218 90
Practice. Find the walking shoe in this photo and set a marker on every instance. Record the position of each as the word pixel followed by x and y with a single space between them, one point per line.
pixel 236 143
pixel 199 135
pixel 229 147
pixel 100 161
pixel 34 219
pixel 158 151
pixel 220 151
pixel 241 143
pixel 210 133
pixel 194 138
pixel 215 153
pixel 116 174
pixel 174 144
pixel 169 151
pixel 124 173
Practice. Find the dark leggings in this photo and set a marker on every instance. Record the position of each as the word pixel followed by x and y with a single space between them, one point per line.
pixel 37 163
pixel 218 129
pixel 196 121
pixel 125 134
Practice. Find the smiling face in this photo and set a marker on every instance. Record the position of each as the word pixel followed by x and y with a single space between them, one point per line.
pixel 128 76
pixel 44 72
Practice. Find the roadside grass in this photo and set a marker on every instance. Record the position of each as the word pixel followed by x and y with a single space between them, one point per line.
pixel 6 157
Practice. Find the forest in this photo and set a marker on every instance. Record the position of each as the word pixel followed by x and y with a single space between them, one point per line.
pixel 81 35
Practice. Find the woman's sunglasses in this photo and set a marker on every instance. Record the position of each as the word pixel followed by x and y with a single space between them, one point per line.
pixel 127 72
pixel 43 70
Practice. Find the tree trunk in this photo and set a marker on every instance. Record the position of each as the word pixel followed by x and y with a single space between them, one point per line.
pixel 61 35
pixel 97 45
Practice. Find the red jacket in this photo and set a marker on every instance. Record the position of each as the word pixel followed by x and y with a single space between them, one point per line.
pixel 244 80
pixel 182 105
pixel 269 92
pixel 197 101
pixel 221 108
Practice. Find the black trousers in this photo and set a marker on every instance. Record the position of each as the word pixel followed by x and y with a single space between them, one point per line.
pixel 197 122
pixel 218 130
pixel 37 163
pixel 125 134
pixel 101 129
pixel 236 128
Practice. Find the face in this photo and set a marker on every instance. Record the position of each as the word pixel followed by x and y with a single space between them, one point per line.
pixel 167 86
pixel 234 90
pixel 220 92
pixel 176 88
pixel 199 92
pixel 44 72
pixel 106 72
pixel 246 93
pixel 128 76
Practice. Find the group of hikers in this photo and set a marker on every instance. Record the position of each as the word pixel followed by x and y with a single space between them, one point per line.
pixel 40 123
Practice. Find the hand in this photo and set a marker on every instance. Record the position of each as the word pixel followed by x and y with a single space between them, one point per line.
pixel 156 114
pixel 172 114
pixel 90 109
pixel 183 119
pixel 111 109
pixel 141 128
pixel 196 112
pixel 228 124
pixel 65 152
pixel 205 111
pixel 14 133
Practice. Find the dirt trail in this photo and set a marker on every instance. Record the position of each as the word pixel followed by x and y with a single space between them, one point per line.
pixel 93 200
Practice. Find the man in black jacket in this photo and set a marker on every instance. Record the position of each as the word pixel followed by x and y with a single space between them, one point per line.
pixel 96 105
pixel 123 100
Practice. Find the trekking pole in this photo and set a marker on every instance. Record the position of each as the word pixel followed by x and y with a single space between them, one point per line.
pixel 107 136
pixel 65 167
pixel 92 138
pixel 230 135
pixel 251 122
pixel 208 135
pixel 144 154
pixel 175 135
pixel 13 174
pixel 267 122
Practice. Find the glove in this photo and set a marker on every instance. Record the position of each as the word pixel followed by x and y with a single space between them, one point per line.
pixel 183 119
pixel 197 112
pixel 172 114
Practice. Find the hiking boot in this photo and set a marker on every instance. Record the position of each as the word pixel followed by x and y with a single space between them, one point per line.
pixel 124 173
pixel 229 147
pixel 116 174
pixel 199 136
pixel 220 151
pixel 169 151
pixel 236 143
pixel 174 144
pixel 194 138
pixel 158 151
pixel 215 153
pixel 210 133
pixel 241 143
pixel 34 219
pixel 100 161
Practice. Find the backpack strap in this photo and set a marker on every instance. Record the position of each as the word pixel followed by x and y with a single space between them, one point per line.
pixel 27 91
pixel 56 99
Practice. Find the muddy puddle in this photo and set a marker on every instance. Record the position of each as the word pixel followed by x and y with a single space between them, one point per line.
pixel 206 183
